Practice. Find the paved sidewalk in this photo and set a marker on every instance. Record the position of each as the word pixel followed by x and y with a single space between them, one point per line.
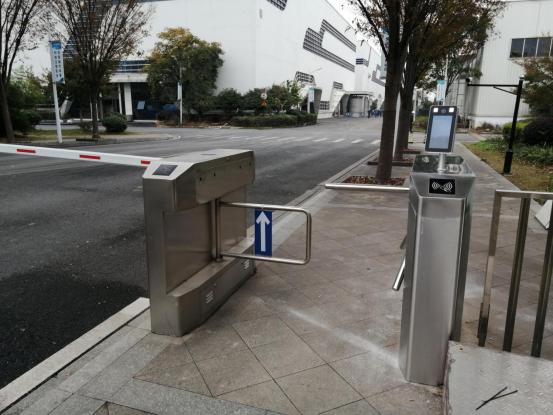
pixel 316 339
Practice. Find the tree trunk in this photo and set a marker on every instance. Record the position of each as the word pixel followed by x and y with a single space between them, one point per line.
pixel 8 127
pixel 384 169
pixel 404 126
pixel 94 109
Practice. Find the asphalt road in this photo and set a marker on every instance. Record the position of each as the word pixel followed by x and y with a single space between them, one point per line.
pixel 72 248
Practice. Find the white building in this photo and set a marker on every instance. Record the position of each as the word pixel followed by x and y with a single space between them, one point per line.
pixel 523 31
pixel 267 42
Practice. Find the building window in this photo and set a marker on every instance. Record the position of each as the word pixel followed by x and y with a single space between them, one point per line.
pixel 516 48
pixel 544 46
pixel 313 42
pixel 531 47
pixel 304 78
pixel 361 61
pixel 324 105
pixel 338 85
pixel 281 4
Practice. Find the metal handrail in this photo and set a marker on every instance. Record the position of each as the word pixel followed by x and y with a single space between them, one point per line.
pixel 545 285
pixel 308 232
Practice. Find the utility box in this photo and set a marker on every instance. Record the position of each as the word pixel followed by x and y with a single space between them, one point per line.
pixel 437 247
pixel 187 281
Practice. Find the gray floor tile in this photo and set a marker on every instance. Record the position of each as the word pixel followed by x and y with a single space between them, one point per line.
pixel 113 409
pixel 77 404
pixel 317 390
pixel 355 408
pixel 91 369
pixel 206 344
pixel 233 371
pixel 172 356
pixel 265 395
pixel 308 320
pixel 371 373
pixel 287 356
pixel 260 285
pixel 32 397
pixel 47 403
pixel 124 368
pixel 408 400
pixel 160 400
pixel 263 331
pixel 287 300
pixel 185 377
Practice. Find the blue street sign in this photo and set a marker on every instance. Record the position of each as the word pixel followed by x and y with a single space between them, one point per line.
pixel 263 232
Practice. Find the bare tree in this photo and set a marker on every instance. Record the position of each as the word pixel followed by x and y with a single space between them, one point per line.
pixel 22 26
pixel 99 34
pixel 393 23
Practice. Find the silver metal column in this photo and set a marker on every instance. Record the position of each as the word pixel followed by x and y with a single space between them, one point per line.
pixel 438 232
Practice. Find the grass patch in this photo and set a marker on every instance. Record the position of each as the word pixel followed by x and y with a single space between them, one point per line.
pixel 531 169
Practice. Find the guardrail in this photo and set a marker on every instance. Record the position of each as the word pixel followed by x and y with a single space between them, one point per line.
pixel 308 232
pixel 545 285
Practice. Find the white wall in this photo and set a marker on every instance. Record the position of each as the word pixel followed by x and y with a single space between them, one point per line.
pixel 521 19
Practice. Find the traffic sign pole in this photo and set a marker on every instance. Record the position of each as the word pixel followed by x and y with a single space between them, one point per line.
pixel 57 110
pixel 58 76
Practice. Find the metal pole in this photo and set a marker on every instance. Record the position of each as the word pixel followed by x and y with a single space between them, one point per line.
pixel 517 270
pixel 180 86
pixel 445 78
pixel 545 287
pixel 509 153
pixel 57 111
pixel 486 297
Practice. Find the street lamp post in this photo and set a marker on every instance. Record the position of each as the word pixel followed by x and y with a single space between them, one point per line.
pixel 509 153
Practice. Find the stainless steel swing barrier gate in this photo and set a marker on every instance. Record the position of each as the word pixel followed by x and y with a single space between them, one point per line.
pixel 545 285
pixel 435 263
pixel 197 255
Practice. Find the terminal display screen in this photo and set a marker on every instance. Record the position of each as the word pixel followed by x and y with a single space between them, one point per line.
pixel 441 129
pixel 165 170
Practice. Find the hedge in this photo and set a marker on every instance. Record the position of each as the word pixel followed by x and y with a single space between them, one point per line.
pixel 115 123
pixel 539 132
pixel 292 119
pixel 520 127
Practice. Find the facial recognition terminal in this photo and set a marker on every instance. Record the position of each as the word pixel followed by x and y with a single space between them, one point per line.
pixel 441 129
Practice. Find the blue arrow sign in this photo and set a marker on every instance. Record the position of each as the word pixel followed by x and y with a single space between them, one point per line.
pixel 263 232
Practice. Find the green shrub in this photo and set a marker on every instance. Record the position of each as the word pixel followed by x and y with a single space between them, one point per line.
pixel 421 122
pixel 303 118
pixel 539 131
pixel 535 154
pixel 170 118
pixel 506 130
pixel 85 126
pixel 33 117
pixel 20 121
pixel 279 120
pixel 229 100
pixel 115 123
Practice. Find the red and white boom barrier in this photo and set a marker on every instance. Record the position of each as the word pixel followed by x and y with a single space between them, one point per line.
pixel 110 158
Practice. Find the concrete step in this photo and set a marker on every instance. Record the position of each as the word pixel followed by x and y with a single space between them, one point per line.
pixel 475 374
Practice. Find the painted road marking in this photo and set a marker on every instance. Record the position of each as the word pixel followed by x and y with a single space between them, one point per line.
pixel 320 139
pixel 338 141
pixel 356 141
pixel 375 142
